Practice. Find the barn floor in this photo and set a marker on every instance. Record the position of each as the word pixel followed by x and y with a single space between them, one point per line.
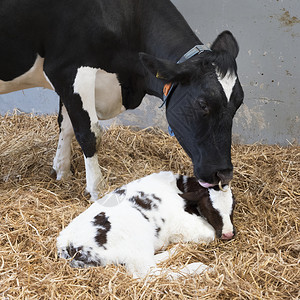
pixel 262 262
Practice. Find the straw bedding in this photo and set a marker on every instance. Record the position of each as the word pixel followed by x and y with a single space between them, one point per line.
pixel 262 262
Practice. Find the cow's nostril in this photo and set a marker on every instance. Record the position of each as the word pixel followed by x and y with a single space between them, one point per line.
pixel 225 176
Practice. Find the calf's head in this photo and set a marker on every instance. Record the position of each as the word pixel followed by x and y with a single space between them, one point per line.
pixel 215 206
pixel 201 107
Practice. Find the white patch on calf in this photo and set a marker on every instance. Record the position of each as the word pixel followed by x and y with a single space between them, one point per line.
pixel 227 82
pixel 34 77
pixel 188 270
pixel 127 241
pixel 222 202
pixel 151 216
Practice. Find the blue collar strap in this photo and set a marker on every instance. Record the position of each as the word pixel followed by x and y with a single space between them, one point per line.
pixel 169 86
pixel 195 50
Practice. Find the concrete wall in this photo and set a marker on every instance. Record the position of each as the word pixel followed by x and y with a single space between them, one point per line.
pixel 268 33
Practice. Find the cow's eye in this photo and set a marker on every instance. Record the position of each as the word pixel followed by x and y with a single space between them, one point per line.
pixel 203 106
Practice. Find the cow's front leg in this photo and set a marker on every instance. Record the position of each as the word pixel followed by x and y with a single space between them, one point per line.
pixel 79 102
pixel 88 135
pixel 76 88
pixel 82 112
pixel 62 159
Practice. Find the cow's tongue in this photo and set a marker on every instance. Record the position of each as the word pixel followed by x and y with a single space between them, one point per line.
pixel 205 184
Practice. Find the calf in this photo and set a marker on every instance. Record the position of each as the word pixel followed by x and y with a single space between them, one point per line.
pixel 129 224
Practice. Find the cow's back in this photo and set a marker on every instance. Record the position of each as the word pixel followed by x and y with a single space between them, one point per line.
pixel 71 31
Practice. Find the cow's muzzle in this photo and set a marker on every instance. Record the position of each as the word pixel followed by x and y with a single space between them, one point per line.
pixel 222 177
pixel 225 176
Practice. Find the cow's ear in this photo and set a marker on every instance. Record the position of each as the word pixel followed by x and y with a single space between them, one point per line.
pixel 226 42
pixel 164 69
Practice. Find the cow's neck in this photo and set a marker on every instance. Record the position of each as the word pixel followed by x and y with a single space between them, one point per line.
pixel 167 36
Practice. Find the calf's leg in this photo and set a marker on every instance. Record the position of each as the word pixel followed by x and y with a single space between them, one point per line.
pixel 187 270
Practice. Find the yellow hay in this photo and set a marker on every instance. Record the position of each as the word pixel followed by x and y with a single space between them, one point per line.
pixel 262 262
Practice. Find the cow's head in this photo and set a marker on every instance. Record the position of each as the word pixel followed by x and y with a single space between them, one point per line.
pixel 201 107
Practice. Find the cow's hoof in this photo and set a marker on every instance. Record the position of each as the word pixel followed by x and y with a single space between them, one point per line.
pixel 86 193
pixel 93 196
pixel 60 175
pixel 53 174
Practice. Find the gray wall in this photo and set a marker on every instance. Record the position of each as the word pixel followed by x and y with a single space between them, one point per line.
pixel 268 33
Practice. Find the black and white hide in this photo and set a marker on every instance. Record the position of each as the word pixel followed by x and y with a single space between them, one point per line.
pixel 128 225
pixel 102 57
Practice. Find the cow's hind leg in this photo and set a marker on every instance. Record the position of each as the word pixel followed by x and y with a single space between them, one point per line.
pixel 62 159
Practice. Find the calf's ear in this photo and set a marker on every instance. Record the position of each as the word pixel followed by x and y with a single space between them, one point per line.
pixel 195 196
pixel 226 42
pixel 191 197
pixel 164 69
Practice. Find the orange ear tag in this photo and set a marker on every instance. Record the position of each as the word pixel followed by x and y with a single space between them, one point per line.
pixel 166 89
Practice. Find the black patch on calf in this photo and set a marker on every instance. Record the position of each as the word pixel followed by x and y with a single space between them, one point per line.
pixel 157 230
pixel 101 221
pixel 212 216
pixel 199 203
pixel 188 184
pixel 192 199
pixel 180 184
pixel 80 257
pixel 120 191
pixel 145 201
pixel 74 252
pixel 155 198
pixel 141 212
pixel 192 185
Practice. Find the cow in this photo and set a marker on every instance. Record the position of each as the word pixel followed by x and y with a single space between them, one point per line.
pixel 103 56
pixel 129 224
